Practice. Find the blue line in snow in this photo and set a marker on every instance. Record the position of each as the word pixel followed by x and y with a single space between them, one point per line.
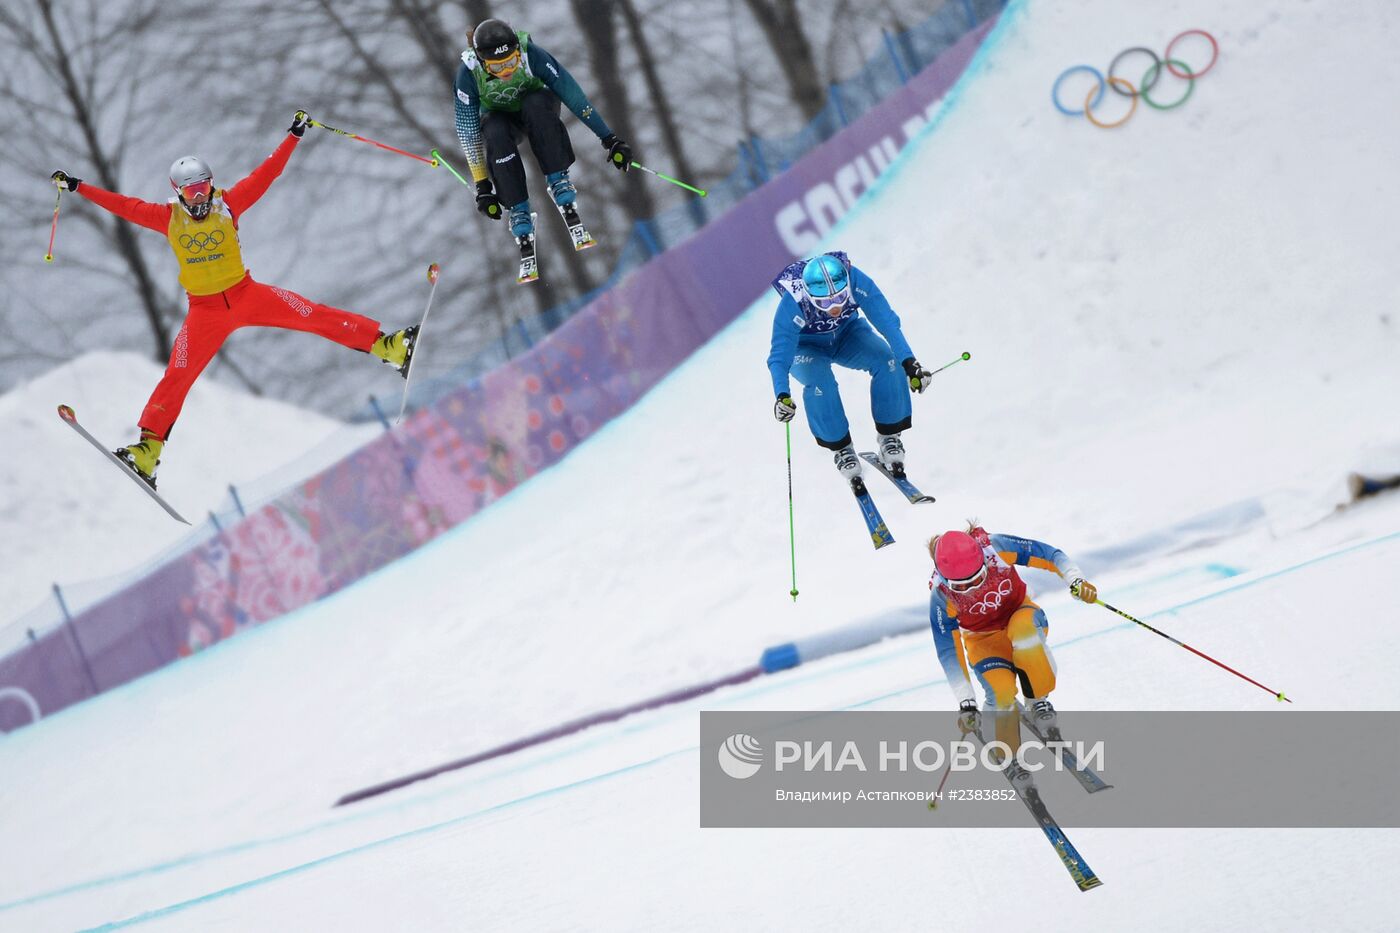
pixel 751 690
pixel 387 840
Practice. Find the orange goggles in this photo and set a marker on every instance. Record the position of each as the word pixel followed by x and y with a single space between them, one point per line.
pixel 503 67
pixel 191 192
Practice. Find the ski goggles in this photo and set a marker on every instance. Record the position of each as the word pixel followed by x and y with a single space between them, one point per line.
pixel 191 192
pixel 503 67
pixel 971 583
pixel 828 302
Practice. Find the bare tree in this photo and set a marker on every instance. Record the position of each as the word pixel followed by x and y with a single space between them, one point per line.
pixel 665 112
pixel 781 22
pixel 86 64
pixel 595 20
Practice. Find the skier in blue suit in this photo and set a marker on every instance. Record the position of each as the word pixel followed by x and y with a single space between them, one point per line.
pixel 818 323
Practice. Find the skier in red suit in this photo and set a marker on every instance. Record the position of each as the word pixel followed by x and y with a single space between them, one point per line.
pixel 201 223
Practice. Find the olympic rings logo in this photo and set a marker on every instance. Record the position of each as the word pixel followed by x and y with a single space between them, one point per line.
pixel 993 598
pixel 1125 87
pixel 198 242
pixel 505 95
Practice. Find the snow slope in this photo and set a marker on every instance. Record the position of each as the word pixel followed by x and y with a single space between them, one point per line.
pixel 1183 313
pixel 66 517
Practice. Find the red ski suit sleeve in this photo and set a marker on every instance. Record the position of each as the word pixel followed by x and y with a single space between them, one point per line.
pixel 247 192
pixel 157 216
pixel 142 213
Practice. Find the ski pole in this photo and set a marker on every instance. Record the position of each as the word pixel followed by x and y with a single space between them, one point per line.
pixel 933 803
pixel 792 535
pixel 674 181
pixel 432 162
pixel 965 356
pixel 439 160
pixel 53 230
pixel 1277 694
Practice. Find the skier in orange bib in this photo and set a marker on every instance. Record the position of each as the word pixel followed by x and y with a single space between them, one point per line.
pixel 201 224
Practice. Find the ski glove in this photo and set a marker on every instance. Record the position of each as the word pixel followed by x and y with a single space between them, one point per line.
pixel 300 121
pixel 1083 590
pixel 619 153
pixel 64 180
pixel 918 376
pixel 969 719
pixel 486 200
pixel 784 408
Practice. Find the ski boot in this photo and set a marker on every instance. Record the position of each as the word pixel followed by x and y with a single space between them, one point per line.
pixel 1043 715
pixel 891 451
pixel 565 198
pixel 1020 779
pixel 522 227
pixel 848 463
pixel 142 457
pixel 396 349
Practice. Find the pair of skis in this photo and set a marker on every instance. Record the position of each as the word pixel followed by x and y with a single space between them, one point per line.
pixel 529 261
pixel 412 335
pixel 874 523
pixel 1083 876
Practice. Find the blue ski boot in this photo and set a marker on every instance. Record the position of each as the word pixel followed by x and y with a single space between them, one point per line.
pixel 565 198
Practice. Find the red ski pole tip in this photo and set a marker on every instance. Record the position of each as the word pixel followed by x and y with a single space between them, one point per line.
pixel 66 413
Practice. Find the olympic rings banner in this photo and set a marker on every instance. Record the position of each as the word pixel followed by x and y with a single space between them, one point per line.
pixel 452 459
pixel 1142 90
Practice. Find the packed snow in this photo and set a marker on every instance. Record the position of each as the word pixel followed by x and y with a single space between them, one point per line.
pixel 1184 313
pixel 70 517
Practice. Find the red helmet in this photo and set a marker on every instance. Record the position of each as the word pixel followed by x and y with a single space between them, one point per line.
pixel 957 557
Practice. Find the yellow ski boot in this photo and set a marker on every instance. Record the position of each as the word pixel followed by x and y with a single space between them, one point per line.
pixel 396 349
pixel 143 457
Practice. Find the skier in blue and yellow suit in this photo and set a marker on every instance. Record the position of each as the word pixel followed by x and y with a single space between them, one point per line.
pixel 819 324
pixel 983 619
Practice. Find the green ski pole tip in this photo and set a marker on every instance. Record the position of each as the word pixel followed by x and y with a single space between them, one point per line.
pixel 966 355
pixel 793 594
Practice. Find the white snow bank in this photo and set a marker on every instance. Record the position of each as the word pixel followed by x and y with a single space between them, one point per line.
pixel 67 516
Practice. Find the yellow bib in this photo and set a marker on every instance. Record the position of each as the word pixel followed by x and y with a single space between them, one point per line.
pixel 207 250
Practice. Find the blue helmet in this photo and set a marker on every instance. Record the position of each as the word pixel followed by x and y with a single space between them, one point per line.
pixel 828 282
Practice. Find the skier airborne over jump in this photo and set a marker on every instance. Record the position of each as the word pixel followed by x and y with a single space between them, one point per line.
pixel 201 223
pixel 509 88
pixel 818 324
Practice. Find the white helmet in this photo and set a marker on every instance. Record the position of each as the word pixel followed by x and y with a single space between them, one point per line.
pixel 187 170
pixel 192 170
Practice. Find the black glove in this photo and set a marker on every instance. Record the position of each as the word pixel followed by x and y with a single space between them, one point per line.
pixel 64 180
pixel 486 200
pixel 969 719
pixel 918 376
pixel 619 153
pixel 300 121
pixel 784 408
